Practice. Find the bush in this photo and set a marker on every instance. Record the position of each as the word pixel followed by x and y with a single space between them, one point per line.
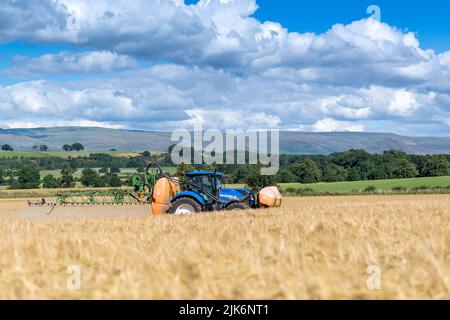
pixel 14 184
pixel 291 190
pixel 398 189
pixel 305 192
pixel 50 182
pixel 421 189
pixel 89 178
pixel 370 189
pixel 115 181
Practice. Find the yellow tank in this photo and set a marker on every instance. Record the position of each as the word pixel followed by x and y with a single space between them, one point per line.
pixel 163 192
pixel 270 197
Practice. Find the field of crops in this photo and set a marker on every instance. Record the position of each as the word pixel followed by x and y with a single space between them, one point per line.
pixel 383 185
pixel 366 247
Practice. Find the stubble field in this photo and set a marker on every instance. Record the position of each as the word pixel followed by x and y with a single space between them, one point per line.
pixel 374 247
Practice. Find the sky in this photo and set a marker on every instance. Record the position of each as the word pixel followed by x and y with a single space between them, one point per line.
pixel 319 66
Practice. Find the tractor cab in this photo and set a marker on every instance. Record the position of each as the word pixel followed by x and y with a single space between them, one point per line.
pixel 205 182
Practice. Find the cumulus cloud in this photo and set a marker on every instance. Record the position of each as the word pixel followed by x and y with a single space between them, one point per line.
pixel 211 32
pixel 331 125
pixel 70 63
pixel 59 123
pixel 171 96
pixel 214 60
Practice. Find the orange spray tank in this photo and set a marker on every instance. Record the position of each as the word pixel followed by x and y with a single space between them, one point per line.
pixel 270 197
pixel 164 190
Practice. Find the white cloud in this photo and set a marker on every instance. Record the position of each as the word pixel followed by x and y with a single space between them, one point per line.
pixel 222 64
pixel 170 96
pixel 331 125
pixel 58 123
pixel 212 32
pixel 70 63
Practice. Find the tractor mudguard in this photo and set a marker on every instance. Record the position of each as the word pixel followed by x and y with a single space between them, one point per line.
pixel 190 194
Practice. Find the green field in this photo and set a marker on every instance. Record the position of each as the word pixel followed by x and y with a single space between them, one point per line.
pixel 382 185
pixel 61 154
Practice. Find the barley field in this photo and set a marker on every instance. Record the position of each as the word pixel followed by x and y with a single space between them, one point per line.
pixel 365 247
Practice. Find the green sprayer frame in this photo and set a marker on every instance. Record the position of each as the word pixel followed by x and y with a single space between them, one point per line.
pixel 141 194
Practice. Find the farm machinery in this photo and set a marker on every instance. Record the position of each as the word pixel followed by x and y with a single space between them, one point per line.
pixel 199 191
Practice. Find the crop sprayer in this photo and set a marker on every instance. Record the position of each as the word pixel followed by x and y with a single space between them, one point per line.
pixel 198 191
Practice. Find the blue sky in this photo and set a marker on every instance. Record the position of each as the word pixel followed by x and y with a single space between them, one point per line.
pixel 292 65
pixel 429 19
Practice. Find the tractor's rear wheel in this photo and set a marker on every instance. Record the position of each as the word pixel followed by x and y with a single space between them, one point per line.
pixel 183 206
pixel 238 206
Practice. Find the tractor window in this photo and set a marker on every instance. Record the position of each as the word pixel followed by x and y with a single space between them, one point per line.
pixel 207 183
pixel 202 182
pixel 218 183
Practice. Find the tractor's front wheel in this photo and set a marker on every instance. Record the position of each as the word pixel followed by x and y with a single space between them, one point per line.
pixel 183 206
pixel 238 206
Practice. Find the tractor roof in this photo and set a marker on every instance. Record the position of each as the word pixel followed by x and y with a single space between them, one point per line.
pixel 202 173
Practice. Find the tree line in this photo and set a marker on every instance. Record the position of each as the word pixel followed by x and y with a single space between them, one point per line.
pixel 352 165
pixel 43 147
pixel 30 178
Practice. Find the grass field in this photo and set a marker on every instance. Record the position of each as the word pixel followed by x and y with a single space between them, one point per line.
pixel 312 248
pixel 61 154
pixel 387 185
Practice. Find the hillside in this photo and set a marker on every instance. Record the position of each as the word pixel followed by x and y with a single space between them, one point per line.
pixel 291 142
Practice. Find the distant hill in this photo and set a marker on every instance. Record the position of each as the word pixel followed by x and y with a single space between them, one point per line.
pixel 291 142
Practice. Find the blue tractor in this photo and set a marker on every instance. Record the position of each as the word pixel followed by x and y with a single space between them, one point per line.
pixel 203 191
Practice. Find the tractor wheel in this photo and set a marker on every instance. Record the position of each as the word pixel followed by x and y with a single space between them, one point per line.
pixel 183 206
pixel 238 206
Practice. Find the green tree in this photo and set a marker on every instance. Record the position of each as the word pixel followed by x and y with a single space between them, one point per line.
pixel 7 147
pixel 67 180
pixel 238 173
pixel 307 171
pixel 43 147
pixel 29 178
pixel 67 147
pixel 254 179
pixel 403 168
pixel 285 175
pixel 14 184
pixel 114 181
pixel 77 147
pixel 354 174
pixel 89 178
pixel 50 182
pixel 334 173
pixel 435 166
